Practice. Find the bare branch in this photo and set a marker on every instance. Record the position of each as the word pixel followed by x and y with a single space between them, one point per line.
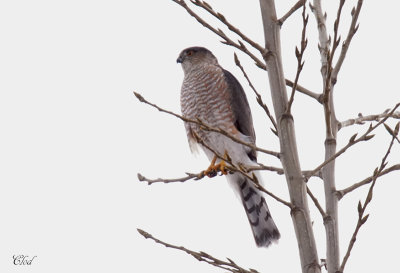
pixel 341 193
pixel 336 37
pixel 221 34
pixel 327 53
pixel 310 173
pixel 299 57
pixel 259 98
pixel 200 175
pixel 262 167
pixel 362 119
pixel 280 200
pixel 354 140
pixel 326 66
pixel 316 203
pixel 324 41
pixel 239 45
pixel 207 127
pixel 163 180
pixel 361 208
pixel 201 256
pixel 305 91
pixel 296 6
pixel 244 170
pixel 232 28
pixel 345 46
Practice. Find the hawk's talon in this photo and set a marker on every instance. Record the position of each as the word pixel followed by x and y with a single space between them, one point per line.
pixel 213 169
pixel 222 167
pixel 212 173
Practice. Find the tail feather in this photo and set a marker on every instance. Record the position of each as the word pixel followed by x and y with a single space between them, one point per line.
pixel 264 229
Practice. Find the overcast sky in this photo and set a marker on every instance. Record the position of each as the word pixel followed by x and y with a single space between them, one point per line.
pixel 73 138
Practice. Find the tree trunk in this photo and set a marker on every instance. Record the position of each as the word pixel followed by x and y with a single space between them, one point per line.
pixel 289 155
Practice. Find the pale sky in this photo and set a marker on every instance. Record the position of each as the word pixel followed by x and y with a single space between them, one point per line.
pixel 73 138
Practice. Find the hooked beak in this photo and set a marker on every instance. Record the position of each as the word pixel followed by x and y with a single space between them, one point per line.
pixel 179 60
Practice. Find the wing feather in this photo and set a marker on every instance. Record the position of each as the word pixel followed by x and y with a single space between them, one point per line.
pixel 241 109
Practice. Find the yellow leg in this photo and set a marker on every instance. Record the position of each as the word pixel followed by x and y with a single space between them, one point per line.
pixel 211 171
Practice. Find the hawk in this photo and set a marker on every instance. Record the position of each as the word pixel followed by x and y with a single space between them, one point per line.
pixel 214 96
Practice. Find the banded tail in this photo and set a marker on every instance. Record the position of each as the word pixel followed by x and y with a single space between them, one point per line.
pixel 263 226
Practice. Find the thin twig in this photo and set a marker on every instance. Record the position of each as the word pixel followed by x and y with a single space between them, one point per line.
pixel 305 91
pixel 299 57
pixel 164 180
pixel 341 193
pixel 362 119
pixel 207 127
pixel 259 98
pixel 201 256
pixel 336 36
pixel 280 200
pixel 345 46
pixel 221 34
pixel 231 27
pixel 262 167
pixel 296 6
pixel 354 140
pixel 240 45
pixel 361 208
pixel 242 169
pixel 316 202
pixel 232 166
pixel 200 175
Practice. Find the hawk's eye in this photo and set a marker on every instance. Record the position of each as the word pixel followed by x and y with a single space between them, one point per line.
pixel 189 53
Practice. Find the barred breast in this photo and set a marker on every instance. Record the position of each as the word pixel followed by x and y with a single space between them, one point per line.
pixel 204 96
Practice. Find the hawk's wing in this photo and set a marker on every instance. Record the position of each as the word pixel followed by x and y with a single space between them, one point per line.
pixel 241 110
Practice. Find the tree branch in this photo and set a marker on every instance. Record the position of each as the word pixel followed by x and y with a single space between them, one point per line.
pixel 362 119
pixel 239 45
pixel 316 202
pixel 296 6
pixel 221 34
pixel 259 98
pixel 324 41
pixel 345 46
pixel 328 171
pixel 341 193
pixel 353 140
pixel 361 208
pixel 163 180
pixel 207 127
pixel 244 170
pixel 299 57
pixel 201 256
pixel 200 175
pixel 305 91
pixel 232 28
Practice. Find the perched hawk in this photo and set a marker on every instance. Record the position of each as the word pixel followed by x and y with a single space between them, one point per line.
pixel 214 96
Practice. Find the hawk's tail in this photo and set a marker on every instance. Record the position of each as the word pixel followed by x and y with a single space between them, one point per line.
pixel 261 222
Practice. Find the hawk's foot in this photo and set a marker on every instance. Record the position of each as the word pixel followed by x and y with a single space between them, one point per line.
pixel 222 167
pixel 213 169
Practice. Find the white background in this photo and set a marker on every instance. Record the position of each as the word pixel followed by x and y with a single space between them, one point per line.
pixel 73 137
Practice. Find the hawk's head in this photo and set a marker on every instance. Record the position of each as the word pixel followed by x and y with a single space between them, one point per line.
pixel 196 55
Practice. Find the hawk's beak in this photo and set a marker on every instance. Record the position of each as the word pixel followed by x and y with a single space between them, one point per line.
pixel 179 60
